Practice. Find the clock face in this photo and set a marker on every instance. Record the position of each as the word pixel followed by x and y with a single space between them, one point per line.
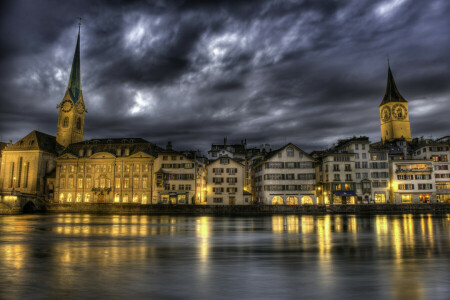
pixel 80 108
pixel 66 105
pixel 385 114
pixel 399 111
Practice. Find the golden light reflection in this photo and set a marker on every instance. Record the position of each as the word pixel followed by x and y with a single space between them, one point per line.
pixel 324 236
pixel 307 223
pixel 381 230
pixel 203 229
pixel 397 239
pixel 13 256
pixel 352 225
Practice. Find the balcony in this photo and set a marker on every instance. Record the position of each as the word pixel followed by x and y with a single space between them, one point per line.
pixel 413 170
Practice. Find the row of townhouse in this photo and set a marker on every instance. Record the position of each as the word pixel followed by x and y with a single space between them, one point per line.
pixel 136 171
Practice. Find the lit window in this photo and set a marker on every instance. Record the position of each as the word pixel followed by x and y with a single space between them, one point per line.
pixel 78 197
pixel 69 197
pixel 117 198
pixel 61 197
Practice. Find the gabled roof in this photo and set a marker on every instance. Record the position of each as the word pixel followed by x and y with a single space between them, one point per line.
pixel 36 140
pixel 391 94
pixel 74 86
pixel 272 153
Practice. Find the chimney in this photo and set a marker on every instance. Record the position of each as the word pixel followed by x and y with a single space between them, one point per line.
pixel 261 148
pixel 169 145
pixel 267 148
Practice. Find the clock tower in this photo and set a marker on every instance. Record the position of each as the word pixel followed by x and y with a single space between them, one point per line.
pixel 394 117
pixel 72 109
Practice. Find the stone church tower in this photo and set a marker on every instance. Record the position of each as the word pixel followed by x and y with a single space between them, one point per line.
pixel 394 116
pixel 72 109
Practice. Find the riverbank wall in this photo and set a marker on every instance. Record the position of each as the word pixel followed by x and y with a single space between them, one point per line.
pixel 110 208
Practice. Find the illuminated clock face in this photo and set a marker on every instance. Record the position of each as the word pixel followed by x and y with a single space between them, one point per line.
pixel 385 114
pixel 399 112
pixel 80 108
pixel 67 105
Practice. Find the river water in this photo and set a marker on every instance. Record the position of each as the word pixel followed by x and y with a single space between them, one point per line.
pixel 80 256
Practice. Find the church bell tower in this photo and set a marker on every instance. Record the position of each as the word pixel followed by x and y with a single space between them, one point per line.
pixel 72 109
pixel 394 116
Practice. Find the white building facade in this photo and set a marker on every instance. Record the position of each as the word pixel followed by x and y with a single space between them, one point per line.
pixel 285 177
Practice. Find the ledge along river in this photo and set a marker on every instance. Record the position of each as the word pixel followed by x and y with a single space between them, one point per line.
pixel 82 256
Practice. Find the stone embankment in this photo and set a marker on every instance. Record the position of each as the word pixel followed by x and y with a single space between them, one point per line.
pixel 110 208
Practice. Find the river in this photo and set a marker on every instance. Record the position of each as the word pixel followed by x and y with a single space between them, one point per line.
pixel 80 256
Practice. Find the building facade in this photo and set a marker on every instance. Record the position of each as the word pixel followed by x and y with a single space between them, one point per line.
pixel 439 153
pixel 412 181
pixel 285 177
pixel 179 179
pixel 225 182
pixel 106 171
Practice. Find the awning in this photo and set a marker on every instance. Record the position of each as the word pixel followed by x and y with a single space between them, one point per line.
pixel 345 193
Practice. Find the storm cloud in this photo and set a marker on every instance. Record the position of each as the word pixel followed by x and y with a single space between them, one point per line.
pixel 193 72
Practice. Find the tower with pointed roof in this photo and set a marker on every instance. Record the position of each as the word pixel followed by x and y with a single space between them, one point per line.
pixel 72 109
pixel 394 116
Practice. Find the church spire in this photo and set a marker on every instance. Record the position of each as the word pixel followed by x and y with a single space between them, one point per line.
pixel 392 94
pixel 74 87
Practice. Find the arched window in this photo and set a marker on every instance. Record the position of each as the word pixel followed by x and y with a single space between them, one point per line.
pixel 117 198
pixel 307 200
pixel 66 122
pixel 61 197
pixel 144 198
pixel 78 197
pixel 87 198
pixel 292 200
pixel 135 198
pixel 277 200
pixel 79 123
pixel 69 197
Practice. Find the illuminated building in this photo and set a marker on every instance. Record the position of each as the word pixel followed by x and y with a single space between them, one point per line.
pixel 106 171
pixel 394 116
pixel 439 152
pixel 225 182
pixel 412 181
pixel 179 179
pixel 285 177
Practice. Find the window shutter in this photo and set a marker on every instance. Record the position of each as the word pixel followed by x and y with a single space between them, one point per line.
pixel 221 189
pixel 228 170
pixel 235 170
pixel 221 179
pixel 228 179
pixel 221 170
pixel 214 170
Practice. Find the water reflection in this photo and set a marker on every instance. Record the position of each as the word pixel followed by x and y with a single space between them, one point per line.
pixel 392 256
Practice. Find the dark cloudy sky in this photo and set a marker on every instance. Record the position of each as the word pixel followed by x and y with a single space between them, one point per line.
pixel 193 72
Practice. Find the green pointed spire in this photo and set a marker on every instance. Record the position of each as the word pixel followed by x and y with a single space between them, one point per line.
pixel 74 87
pixel 392 94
